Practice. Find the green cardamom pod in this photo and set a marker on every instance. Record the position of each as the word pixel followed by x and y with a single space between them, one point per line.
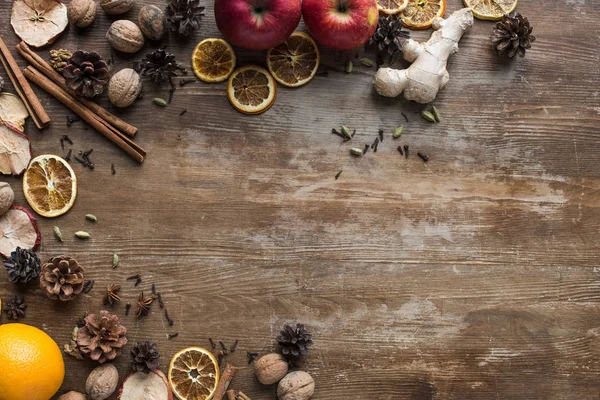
pixel 58 233
pixel 428 116
pixel 160 101
pixel 82 235
pixel 346 132
pixel 398 132
pixel 115 261
pixel 91 217
pixel 436 113
pixel 367 62
pixel 355 151
pixel 349 66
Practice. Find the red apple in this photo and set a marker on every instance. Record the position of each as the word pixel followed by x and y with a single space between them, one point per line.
pixel 257 24
pixel 340 24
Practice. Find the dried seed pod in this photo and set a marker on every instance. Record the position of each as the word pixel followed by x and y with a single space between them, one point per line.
pixel 81 13
pixel 115 7
pixel 125 36
pixel 270 368
pixel 152 22
pixel 124 87
pixel 297 385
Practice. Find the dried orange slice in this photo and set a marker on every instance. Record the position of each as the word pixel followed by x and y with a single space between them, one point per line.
pixel 391 6
pixel 194 374
pixel 50 185
pixel 213 60
pixel 294 62
pixel 419 14
pixel 251 89
pixel 38 22
pixel 491 9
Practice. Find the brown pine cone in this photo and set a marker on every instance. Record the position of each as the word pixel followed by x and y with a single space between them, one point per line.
pixel 101 337
pixel 62 278
pixel 86 73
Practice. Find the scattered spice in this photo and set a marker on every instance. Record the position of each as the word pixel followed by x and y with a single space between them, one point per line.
pixel 182 112
pixel 58 233
pixel 154 289
pixel 82 235
pixel 138 281
pixel 346 132
pixel 160 300
pixel 349 66
pixel 111 297
pixel 366 149
pixel 251 356
pixel 160 101
pixel 91 217
pixel 133 277
pixel 143 305
pixel 184 81
pixel 169 319
pixel 406 150
pixel 355 151
pixel 223 347
pixel 212 344
pixel 398 132
pixel 115 261
pixel 405 117
pixel 427 116
pixel 338 175
pixel 171 93
pixel 367 62
pixel 70 120
pixel 400 150
pixel 381 135
pixel 15 308
pixel 234 346
pixel 68 156
pixel 86 158
pixel 88 286
pixel 127 308
pixel 172 335
pixel 436 113
pixel 112 169
pixel 63 139
pixel 423 157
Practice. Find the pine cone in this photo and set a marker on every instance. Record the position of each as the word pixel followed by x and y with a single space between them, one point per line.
pixel 512 35
pixel 86 73
pixel 101 337
pixel 294 341
pixel 389 36
pixel 160 66
pixel 59 58
pixel 22 266
pixel 62 278
pixel 144 357
pixel 15 308
pixel 183 16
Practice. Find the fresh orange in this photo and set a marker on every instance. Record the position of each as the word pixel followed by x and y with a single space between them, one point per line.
pixel 251 89
pixel 31 364
pixel 213 60
pixel 194 374
pixel 391 6
pixel 50 185
pixel 294 62
pixel 491 9
pixel 419 14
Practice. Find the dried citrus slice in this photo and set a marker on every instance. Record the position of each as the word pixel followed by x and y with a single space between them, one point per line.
pixel 419 14
pixel 213 60
pixel 294 62
pixel 391 6
pixel 491 9
pixel 38 22
pixel 194 374
pixel 50 185
pixel 251 89
pixel 12 110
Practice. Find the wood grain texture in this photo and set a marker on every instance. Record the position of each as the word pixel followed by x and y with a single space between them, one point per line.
pixel 474 276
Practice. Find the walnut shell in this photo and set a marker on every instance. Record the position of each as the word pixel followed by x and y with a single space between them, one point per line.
pixel 270 368
pixel 72 396
pixel 152 22
pixel 114 7
pixel 7 197
pixel 125 36
pixel 297 385
pixel 81 13
pixel 102 382
pixel 124 87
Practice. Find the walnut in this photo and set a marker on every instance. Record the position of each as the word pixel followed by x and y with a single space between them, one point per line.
pixel 125 36
pixel 152 22
pixel 81 13
pixel 297 385
pixel 270 368
pixel 124 87
pixel 7 197
pixel 102 382
pixel 72 396
pixel 114 7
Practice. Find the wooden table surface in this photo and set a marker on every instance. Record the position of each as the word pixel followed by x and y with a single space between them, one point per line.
pixel 474 276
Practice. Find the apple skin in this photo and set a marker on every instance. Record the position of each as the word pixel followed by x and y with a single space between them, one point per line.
pixel 340 24
pixel 257 24
pixel 157 372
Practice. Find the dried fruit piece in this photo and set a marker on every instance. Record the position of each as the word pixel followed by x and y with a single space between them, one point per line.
pixel 213 60
pixel 193 374
pixel 12 110
pixel 251 89
pixel 294 62
pixel 491 9
pixel 141 386
pixel 15 150
pixel 391 6
pixel 419 14
pixel 38 22
pixel 50 185
pixel 18 229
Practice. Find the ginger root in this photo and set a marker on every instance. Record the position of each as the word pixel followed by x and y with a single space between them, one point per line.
pixel 423 80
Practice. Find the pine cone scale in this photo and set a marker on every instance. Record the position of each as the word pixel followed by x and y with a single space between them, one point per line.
pixel 62 278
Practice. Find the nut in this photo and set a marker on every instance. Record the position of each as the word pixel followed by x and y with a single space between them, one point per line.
pixel 152 22
pixel 114 7
pixel 81 13
pixel 7 197
pixel 124 87
pixel 72 396
pixel 270 368
pixel 125 36
pixel 102 382
pixel 297 385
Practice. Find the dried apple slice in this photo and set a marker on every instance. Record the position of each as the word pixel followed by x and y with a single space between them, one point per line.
pixel 140 386
pixel 15 150
pixel 18 229
pixel 12 110
pixel 38 22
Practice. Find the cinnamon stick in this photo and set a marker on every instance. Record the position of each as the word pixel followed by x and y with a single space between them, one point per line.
pixel 242 396
pixel 231 394
pixel 42 65
pixel 226 378
pixel 136 152
pixel 32 103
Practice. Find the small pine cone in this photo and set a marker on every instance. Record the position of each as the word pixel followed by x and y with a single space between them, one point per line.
pixel 22 266
pixel 512 36
pixel 144 357
pixel 183 16
pixel 62 278
pixel 15 308
pixel 294 342
pixel 86 73
pixel 101 337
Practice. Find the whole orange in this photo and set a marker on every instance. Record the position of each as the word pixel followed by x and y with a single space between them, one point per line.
pixel 31 364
